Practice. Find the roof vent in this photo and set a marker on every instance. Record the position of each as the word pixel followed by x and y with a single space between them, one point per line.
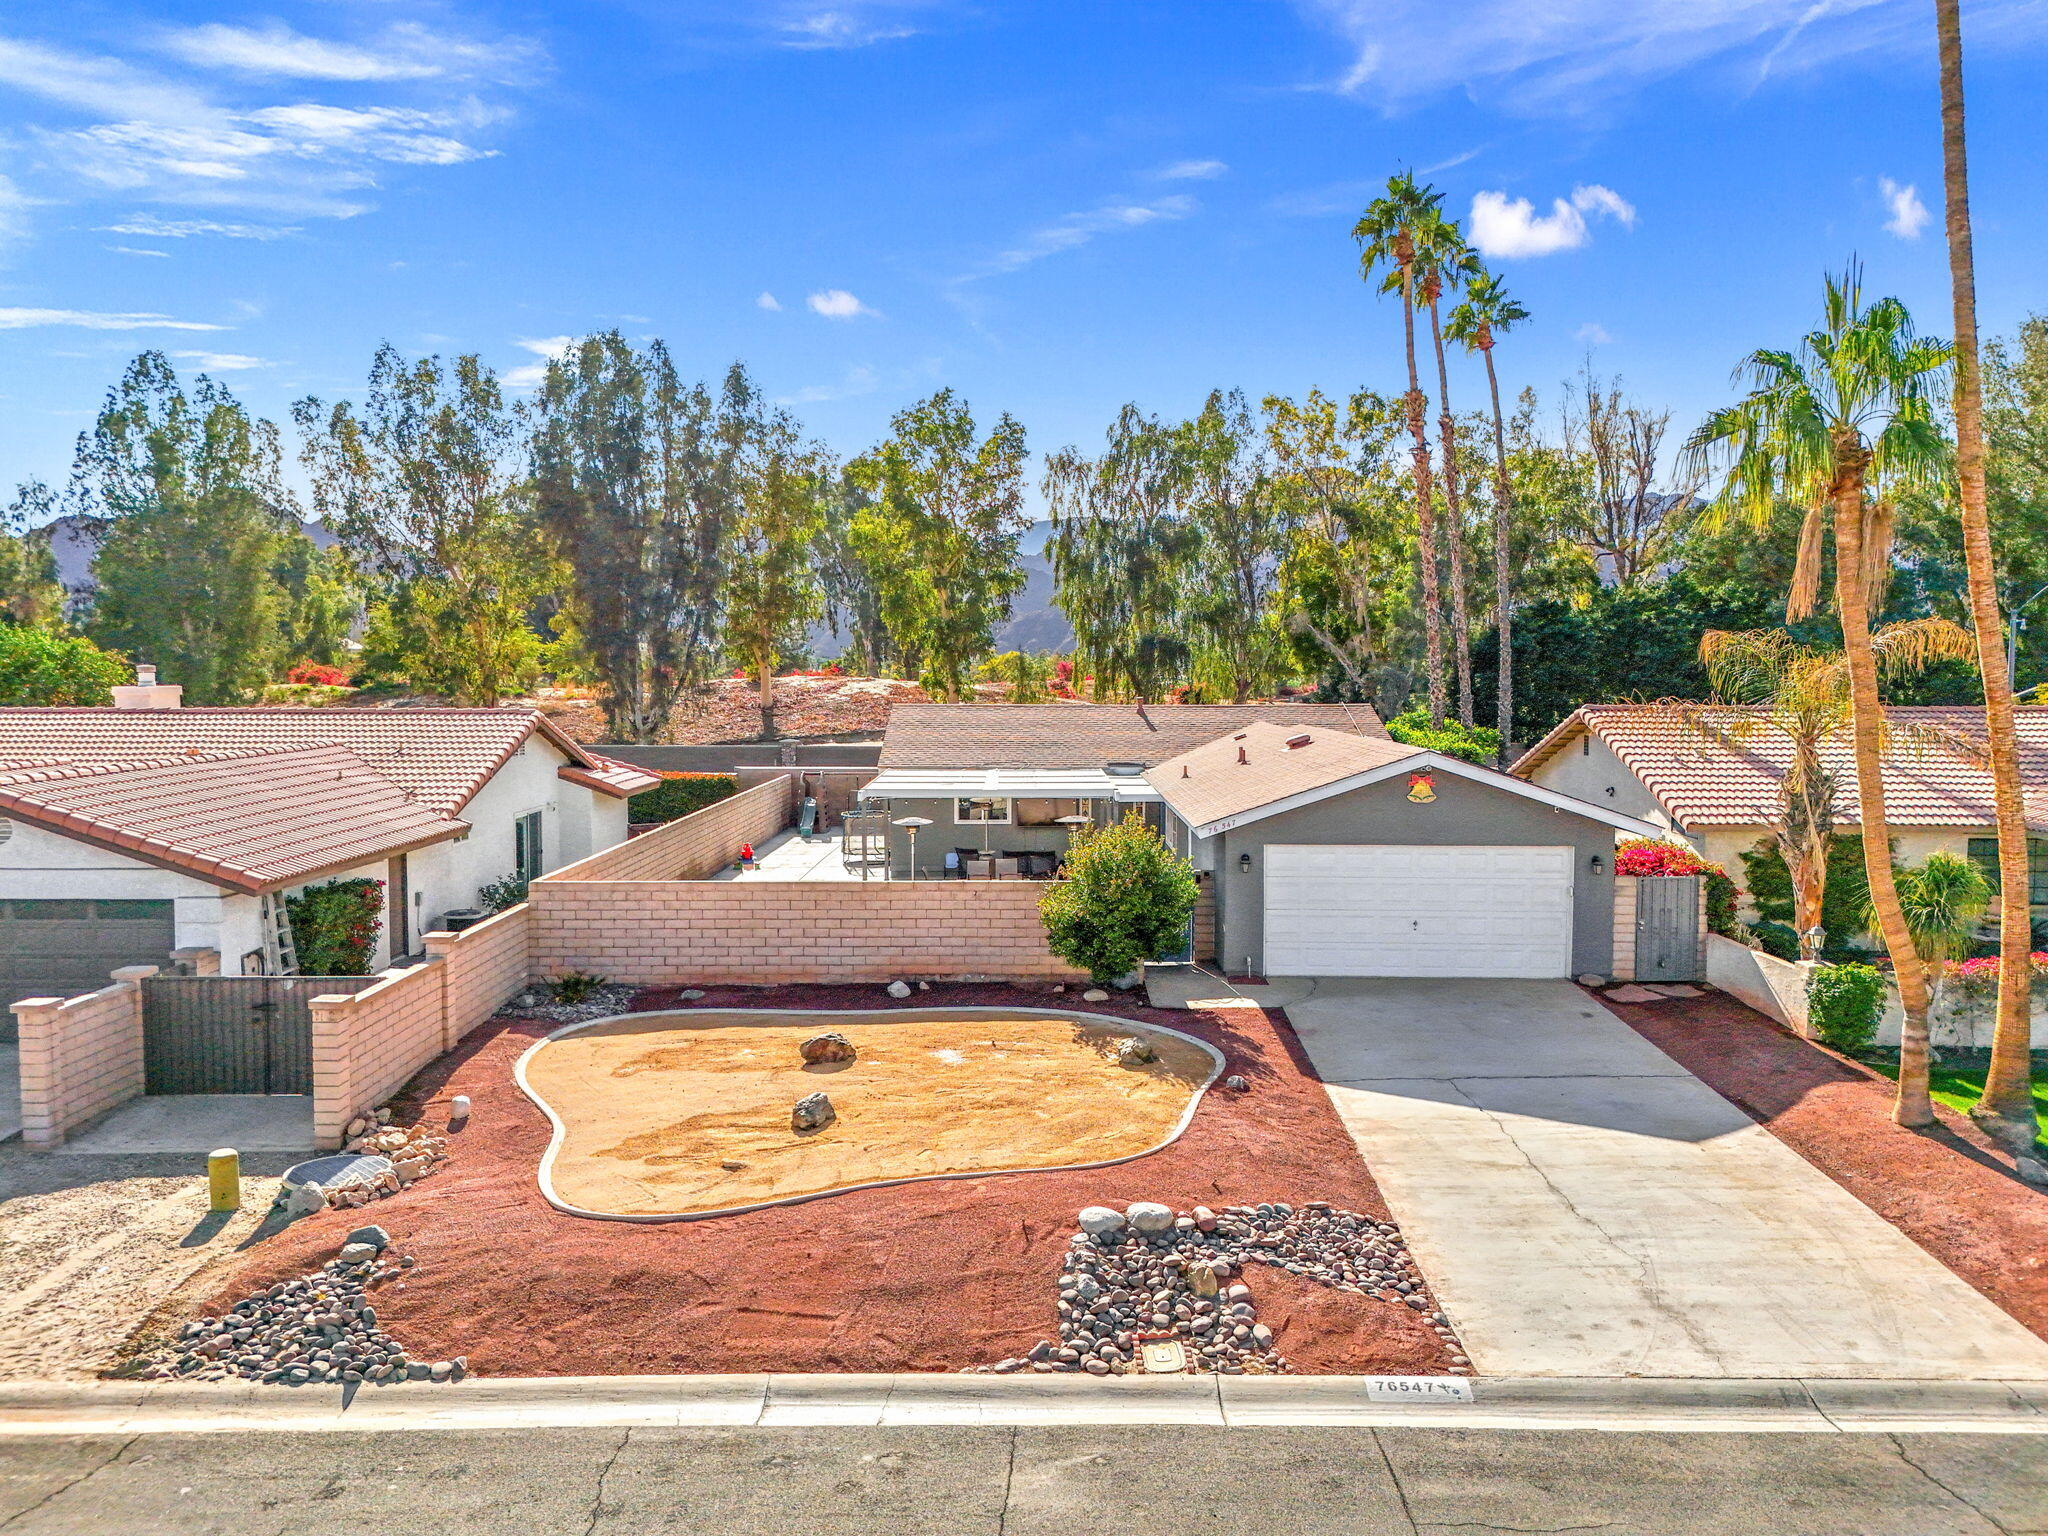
pixel 1183 773
pixel 1302 740
pixel 1241 756
pixel 1123 770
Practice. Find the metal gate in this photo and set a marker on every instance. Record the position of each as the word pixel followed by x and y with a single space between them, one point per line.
pixel 1668 928
pixel 233 1034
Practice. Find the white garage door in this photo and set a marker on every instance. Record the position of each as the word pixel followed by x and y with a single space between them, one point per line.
pixel 1399 910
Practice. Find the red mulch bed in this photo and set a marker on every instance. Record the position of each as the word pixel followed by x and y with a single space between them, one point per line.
pixel 1946 1188
pixel 922 1277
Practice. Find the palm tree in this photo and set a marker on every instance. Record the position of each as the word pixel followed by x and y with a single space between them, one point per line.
pixel 1386 234
pixel 1444 262
pixel 2005 1111
pixel 1852 403
pixel 1802 693
pixel 1486 313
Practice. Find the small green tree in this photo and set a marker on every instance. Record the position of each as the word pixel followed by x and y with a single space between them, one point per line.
pixel 1473 743
pixel 29 590
pixel 335 926
pixel 1843 1003
pixel 1127 899
pixel 39 667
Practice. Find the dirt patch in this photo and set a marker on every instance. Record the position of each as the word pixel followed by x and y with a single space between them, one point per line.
pixel 679 1113
pixel 1946 1188
pixel 920 1277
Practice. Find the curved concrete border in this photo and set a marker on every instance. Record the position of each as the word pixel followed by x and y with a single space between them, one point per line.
pixel 547 1161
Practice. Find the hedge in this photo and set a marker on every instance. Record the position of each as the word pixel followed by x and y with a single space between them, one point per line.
pixel 679 794
pixel 1842 1005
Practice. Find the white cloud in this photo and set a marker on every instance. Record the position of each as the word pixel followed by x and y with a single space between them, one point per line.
pixel 1507 227
pixel 861 380
pixel 134 250
pixel 179 229
pixel 1077 229
pixel 838 29
pixel 17 319
pixel 1908 214
pixel 1567 56
pixel 1593 334
pixel 405 51
pixel 222 362
pixel 531 375
pixel 1193 170
pixel 768 301
pixel 837 304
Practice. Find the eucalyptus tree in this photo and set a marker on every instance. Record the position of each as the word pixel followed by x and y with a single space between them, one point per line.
pixel 30 593
pixel 198 518
pixel 772 591
pixel 1241 526
pixel 1443 264
pixel 1386 235
pixel 640 478
pixel 942 539
pixel 1854 401
pixel 1120 539
pixel 424 487
pixel 852 604
pixel 1485 314
pixel 2006 1109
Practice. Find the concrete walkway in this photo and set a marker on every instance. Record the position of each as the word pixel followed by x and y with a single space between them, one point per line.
pixel 786 857
pixel 1584 1206
pixel 200 1122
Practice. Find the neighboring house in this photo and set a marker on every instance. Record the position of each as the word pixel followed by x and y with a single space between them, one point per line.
pixel 1327 849
pixel 1721 790
pixel 133 833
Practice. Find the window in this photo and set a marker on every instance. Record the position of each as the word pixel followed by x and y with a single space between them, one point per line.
pixel 1047 813
pixel 1984 854
pixel 526 846
pixel 982 811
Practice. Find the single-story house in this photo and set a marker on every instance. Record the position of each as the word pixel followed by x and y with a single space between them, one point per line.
pixel 1718 784
pixel 130 835
pixel 1326 848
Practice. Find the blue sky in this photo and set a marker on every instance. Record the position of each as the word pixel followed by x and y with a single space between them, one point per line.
pixel 1051 207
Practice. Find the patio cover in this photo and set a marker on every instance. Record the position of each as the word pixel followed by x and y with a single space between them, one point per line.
pixel 1013 783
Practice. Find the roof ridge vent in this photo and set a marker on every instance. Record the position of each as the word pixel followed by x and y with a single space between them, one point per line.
pixel 1294 743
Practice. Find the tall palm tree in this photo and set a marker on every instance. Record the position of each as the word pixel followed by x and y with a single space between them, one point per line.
pixel 2006 1109
pixel 1386 235
pixel 1485 314
pixel 1444 263
pixel 1802 694
pixel 1852 403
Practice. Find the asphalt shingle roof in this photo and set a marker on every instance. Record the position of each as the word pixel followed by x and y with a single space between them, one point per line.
pixel 1088 735
pixel 1256 766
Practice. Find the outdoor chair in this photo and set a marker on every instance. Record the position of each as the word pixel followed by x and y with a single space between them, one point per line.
pixel 1009 869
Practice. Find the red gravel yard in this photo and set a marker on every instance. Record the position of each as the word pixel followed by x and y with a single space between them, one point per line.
pixel 1946 1188
pixel 922 1277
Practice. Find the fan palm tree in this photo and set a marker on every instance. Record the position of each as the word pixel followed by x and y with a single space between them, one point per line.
pixel 1487 312
pixel 1852 403
pixel 2006 1109
pixel 1385 233
pixel 1443 264
pixel 1802 693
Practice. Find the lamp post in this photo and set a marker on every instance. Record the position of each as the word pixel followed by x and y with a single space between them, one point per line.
pixel 910 824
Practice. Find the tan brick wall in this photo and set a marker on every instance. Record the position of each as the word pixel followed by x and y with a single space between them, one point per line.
pixel 767 932
pixel 367 1046
pixel 1625 927
pixel 1205 919
pixel 80 1057
pixel 696 846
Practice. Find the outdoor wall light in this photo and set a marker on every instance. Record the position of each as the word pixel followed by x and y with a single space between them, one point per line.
pixel 1244 863
pixel 1599 864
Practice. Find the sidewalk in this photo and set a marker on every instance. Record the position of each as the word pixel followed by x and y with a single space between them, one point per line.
pixel 1224 1402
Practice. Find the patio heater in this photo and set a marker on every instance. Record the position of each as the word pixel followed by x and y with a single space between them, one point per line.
pixel 1074 824
pixel 910 824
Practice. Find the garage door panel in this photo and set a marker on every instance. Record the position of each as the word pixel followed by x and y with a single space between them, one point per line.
pixel 1402 910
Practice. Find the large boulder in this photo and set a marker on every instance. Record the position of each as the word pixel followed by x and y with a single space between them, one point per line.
pixel 1148 1216
pixel 811 1112
pixel 827 1047
pixel 1101 1220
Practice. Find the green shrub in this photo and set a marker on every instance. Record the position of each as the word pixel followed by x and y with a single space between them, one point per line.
pixel 1841 903
pixel 1843 1003
pixel 38 666
pixel 1721 899
pixel 335 926
pixel 573 987
pixel 1126 899
pixel 1474 743
pixel 1775 938
pixel 502 895
pixel 678 794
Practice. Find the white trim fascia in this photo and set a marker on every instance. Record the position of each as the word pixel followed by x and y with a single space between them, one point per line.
pixel 1462 769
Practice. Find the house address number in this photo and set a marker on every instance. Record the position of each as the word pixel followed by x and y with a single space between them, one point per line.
pixel 1418 1389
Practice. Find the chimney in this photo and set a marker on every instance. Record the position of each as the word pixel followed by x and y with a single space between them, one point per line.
pixel 147 693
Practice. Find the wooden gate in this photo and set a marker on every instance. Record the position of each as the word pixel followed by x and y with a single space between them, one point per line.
pixel 1668 928
pixel 233 1034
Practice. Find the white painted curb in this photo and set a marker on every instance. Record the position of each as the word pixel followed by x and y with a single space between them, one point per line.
pixel 547 1161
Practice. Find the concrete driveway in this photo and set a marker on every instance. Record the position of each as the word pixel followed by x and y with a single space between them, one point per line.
pixel 1584 1206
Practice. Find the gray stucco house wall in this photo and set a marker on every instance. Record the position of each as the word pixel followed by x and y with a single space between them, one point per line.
pixel 1464 813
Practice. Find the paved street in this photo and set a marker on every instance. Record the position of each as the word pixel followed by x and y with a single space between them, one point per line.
pixel 1163 1480
pixel 1583 1205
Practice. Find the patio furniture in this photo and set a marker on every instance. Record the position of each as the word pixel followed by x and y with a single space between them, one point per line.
pixel 978 867
pixel 807 819
pixel 1009 869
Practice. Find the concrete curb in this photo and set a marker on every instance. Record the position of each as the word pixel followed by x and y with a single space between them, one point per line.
pixel 1223 1402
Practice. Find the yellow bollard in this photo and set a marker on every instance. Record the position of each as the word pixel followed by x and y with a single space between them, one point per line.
pixel 224 1179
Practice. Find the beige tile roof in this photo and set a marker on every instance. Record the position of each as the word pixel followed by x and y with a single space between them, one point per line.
pixel 1710 780
pixel 1088 735
pixel 440 756
pixel 1255 767
pixel 252 821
